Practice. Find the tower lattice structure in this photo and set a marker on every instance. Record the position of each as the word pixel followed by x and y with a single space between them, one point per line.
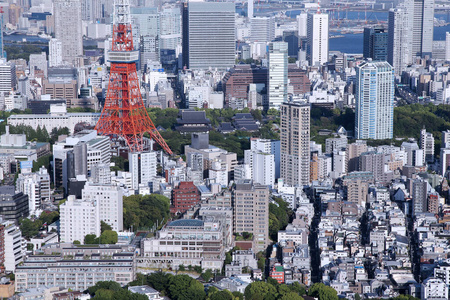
pixel 124 114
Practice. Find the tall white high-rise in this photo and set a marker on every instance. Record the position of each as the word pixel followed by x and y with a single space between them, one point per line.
pixel 317 45
pixel 170 19
pixel 278 74
pixel 68 29
pixel 55 53
pixel 374 113
pixel 295 138
pixel 36 186
pixel 400 39
pixel 7 76
pixel 250 13
pixel 302 24
pixel 142 167
pixel 423 26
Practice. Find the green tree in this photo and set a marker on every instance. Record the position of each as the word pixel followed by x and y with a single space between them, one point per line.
pixel 76 242
pixel 259 290
pixel 90 239
pixel 222 295
pixel 145 211
pixel 184 287
pixel 108 237
pixel 291 296
pixel 104 226
pixel 181 268
pixel 29 228
pixel 298 288
pixel 207 275
pixel 105 285
pixel 323 292
pixel 238 295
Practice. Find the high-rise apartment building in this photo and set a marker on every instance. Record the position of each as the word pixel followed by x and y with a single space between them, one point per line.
pixel 375 43
pixel 55 58
pixel 427 145
pixel 400 38
pixel 302 24
pixel 250 13
pixel 36 186
pixel 79 218
pixel 278 74
pixel 251 212
pixel 262 166
pixel 423 27
pixel 374 101
pixel 142 167
pixel 209 35
pixel 295 138
pixel 68 29
pixel 270 147
pixel 7 76
pixel 317 44
pixel 262 29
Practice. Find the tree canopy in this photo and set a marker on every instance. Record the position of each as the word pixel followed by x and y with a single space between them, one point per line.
pixel 145 211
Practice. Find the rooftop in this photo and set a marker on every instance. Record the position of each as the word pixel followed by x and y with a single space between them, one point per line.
pixel 186 223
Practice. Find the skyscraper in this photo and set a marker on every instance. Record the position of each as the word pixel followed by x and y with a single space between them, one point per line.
pixel 375 43
pixel 317 45
pixel 302 24
pixel 68 29
pixel 423 26
pixel 208 35
pixel 295 138
pixel 142 168
pixel 399 39
pixel 250 9
pixel 278 74
pixel 374 101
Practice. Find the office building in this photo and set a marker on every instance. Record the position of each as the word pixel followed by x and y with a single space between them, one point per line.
pixel 317 44
pixel 110 200
pixel 37 187
pixel 68 24
pixel 38 62
pixel 447 46
pixel 434 289
pixel 251 212
pixel 209 35
pixel 374 115
pixel 145 22
pixel 295 138
pixel 262 29
pixel 278 74
pixel 55 58
pixel 427 145
pixel 445 161
pixel 13 206
pixel 400 25
pixel 208 239
pixel 419 196
pixel 142 167
pixel 7 76
pixel 445 140
pixel 423 27
pixel 14 246
pixel 77 268
pixel 79 218
pixel 170 29
pixel 185 196
pixel 375 43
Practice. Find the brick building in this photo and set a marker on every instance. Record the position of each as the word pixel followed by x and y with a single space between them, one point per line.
pixel 184 196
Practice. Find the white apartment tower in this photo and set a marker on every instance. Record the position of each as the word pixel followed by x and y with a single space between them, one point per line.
pixel 374 117
pixel 79 218
pixel 317 45
pixel 427 145
pixel 278 74
pixel 302 24
pixel 7 76
pixel 400 37
pixel 110 199
pixel 142 167
pixel 262 166
pixel 250 13
pixel 295 138
pixel 55 53
pixel 68 29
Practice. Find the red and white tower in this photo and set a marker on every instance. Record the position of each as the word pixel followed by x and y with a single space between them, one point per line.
pixel 124 114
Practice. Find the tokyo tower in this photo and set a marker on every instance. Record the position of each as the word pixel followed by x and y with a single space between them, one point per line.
pixel 124 114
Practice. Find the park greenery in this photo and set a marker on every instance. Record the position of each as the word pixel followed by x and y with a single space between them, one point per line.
pixel 31 227
pixel 107 236
pixel 111 290
pixel 23 50
pixel 144 212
